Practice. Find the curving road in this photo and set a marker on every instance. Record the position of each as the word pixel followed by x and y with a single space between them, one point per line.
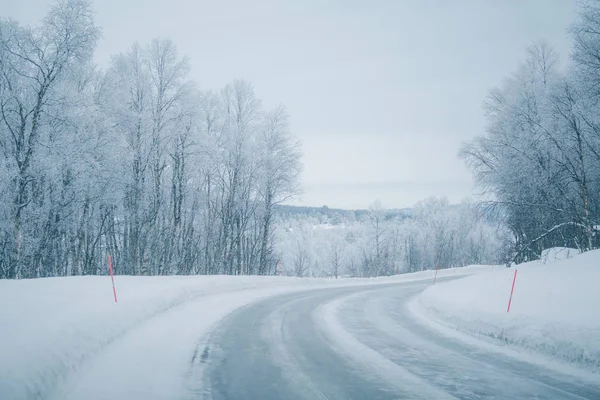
pixel 358 343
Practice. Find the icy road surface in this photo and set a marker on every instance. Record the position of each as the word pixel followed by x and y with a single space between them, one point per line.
pixel 359 343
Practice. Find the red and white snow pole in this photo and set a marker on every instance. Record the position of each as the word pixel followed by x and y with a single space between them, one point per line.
pixel 436 272
pixel 512 290
pixel 279 268
pixel 112 278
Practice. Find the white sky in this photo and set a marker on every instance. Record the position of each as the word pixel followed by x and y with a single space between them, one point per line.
pixel 380 93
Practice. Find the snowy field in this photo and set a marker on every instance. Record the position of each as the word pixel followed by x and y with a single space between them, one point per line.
pixel 61 335
pixel 555 309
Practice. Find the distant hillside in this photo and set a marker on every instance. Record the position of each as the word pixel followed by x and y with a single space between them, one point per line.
pixel 331 213
pixel 335 215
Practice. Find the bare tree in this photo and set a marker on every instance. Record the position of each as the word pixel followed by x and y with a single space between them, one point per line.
pixel 335 258
pixel 301 262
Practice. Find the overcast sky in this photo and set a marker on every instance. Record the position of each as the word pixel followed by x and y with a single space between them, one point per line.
pixel 380 93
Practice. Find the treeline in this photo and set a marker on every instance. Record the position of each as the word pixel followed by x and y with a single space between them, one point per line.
pixel 134 161
pixel 434 234
pixel 540 157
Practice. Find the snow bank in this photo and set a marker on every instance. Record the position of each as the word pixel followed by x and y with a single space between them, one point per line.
pixel 555 309
pixel 555 254
pixel 50 328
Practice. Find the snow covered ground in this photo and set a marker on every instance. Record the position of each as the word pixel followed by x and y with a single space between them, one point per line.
pixel 65 337
pixel 555 309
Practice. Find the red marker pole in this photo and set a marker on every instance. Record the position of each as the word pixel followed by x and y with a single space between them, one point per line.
pixel 436 271
pixel 279 268
pixel 112 278
pixel 511 291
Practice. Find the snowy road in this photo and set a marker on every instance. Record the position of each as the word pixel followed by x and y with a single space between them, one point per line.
pixel 358 343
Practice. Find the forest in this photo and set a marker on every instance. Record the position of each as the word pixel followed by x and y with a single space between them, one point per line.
pixel 378 242
pixel 134 161
pixel 137 162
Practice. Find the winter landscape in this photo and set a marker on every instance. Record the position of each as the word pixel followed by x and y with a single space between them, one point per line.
pixel 168 231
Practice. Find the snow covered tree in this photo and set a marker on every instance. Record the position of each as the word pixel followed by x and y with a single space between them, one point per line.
pixel 539 159
pixel 33 64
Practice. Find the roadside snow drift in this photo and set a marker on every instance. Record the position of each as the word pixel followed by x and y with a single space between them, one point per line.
pixel 52 326
pixel 555 308
pixel 65 338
